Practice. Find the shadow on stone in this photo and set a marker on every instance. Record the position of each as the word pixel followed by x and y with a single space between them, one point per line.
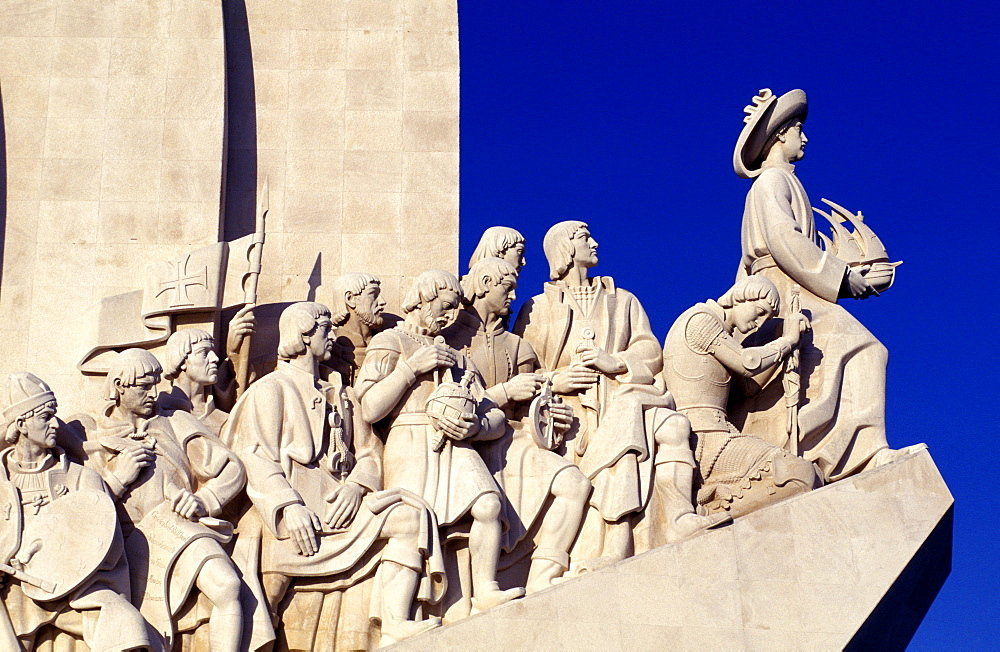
pixel 3 185
pixel 895 620
pixel 239 185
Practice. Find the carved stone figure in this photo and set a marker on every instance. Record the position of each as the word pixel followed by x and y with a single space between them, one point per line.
pixel 738 472
pixel 841 420
pixel 315 479
pixel 172 479
pixel 52 574
pixel 544 494
pixel 596 338
pixel 434 457
pixel 500 242
pixel 192 367
pixel 357 314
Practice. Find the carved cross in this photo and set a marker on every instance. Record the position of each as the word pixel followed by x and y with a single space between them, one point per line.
pixel 183 282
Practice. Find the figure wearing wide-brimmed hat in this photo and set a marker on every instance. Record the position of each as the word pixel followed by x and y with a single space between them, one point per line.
pixel 841 418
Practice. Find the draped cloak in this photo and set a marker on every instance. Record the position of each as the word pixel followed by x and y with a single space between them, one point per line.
pixel 166 551
pixel 611 441
pixel 842 413
pixel 301 440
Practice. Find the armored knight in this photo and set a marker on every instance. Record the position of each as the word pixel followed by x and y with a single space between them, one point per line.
pixel 54 576
pixel 738 472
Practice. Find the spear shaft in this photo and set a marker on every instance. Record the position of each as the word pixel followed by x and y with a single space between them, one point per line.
pixel 250 285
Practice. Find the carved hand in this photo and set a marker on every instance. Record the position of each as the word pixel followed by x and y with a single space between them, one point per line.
pixel 857 284
pixel 344 505
pixel 573 378
pixel 302 526
pixel 241 326
pixel 189 505
pixel 430 357
pixel 795 325
pixel 463 427
pixel 524 387
pixel 562 416
pixel 130 462
pixel 602 361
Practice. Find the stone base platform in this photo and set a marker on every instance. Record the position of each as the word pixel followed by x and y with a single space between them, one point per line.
pixel 854 565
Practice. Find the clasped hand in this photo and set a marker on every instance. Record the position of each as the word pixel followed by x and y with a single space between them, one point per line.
pixel 430 357
pixel 459 428
pixel 188 505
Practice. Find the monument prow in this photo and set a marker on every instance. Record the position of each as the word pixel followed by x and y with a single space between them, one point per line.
pixel 854 565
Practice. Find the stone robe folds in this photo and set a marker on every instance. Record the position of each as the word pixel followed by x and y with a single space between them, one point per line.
pixel 524 471
pixel 167 551
pixel 842 365
pixel 613 444
pixel 301 441
pixel 450 480
pixel 107 620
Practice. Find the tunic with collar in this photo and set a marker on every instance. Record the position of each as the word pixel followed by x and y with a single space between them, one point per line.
pixel 301 441
pixel 842 365
pixel 611 441
pixel 452 479
pixel 524 471
pixel 186 456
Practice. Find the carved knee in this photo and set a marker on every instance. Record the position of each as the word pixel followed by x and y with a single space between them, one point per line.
pixel 572 485
pixel 486 508
pixel 673 440
pixel 403 522
pixel 219 582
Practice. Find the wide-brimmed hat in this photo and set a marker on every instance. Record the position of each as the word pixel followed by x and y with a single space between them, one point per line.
pixel 764 116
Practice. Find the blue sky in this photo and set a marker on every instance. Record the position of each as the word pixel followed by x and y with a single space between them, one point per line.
pixel 625 115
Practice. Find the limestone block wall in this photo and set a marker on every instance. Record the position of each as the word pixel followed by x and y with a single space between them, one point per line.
pixel 357 133
pixel 113 123
pixel 137 131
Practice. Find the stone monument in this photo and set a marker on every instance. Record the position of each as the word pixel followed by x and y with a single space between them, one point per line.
pixel 237 466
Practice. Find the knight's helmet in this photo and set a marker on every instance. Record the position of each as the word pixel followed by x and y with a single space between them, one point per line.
pixel 23 393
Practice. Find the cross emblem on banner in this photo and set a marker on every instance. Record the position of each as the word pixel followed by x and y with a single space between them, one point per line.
pixel 183 281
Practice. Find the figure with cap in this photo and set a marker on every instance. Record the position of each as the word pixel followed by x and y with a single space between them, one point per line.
pixel 737 473
pixel 325 517
pixel 172 479
pixel 595 340
pixel 841 417
pixel 434 456
pixel 50 501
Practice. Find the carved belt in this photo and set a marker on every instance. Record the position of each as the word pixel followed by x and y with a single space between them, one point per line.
pixel 762 263
pixel 411 419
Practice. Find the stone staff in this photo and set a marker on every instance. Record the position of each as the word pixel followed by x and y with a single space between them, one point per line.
pixel 250 286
